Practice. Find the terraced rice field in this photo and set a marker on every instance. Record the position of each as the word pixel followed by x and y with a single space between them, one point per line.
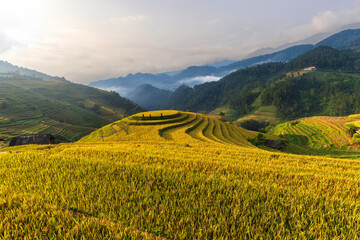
pixel 194 178
pixel 354 120
pixel 176 126
pixel 43 125
pixel 316 132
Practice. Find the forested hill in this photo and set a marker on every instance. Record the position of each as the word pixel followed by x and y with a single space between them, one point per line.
pixel 331 90
pixel 325 58
pixel 238 89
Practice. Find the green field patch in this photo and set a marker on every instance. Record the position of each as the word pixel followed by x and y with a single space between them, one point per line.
pixel 155 117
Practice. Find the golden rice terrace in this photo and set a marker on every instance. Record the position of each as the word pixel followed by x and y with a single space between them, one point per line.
pixel 175 175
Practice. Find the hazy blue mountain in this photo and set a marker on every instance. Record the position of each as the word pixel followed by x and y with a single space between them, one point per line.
pixel 149 97
pixel 346 39
pixel 195 71
pixel 221 63
pixel 126 84
pixel 6 67
pixel 314 39
pixel 281 56
pixel 262 51
pixel 269 50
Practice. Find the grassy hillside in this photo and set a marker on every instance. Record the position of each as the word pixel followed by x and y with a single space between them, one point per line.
pixel 66 110
pixel 193 178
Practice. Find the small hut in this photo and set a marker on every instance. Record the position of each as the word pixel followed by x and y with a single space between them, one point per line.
pixel 32 139
pixel 274 144
pixel 312 68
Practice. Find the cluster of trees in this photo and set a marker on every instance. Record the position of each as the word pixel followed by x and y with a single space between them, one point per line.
pixel 254 125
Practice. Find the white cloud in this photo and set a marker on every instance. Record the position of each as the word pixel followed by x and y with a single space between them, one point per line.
pixel 324 21
pixel 199 80
pixel 6 43
pixel 327 21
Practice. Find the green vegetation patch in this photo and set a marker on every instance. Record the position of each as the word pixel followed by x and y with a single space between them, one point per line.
pixel 156 117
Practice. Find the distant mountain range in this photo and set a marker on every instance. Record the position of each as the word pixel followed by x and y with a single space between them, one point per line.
pixel 193 75
pixel 196 75
pixel 314 39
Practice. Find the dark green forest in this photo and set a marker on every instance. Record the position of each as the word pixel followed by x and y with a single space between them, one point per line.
pixel 315 93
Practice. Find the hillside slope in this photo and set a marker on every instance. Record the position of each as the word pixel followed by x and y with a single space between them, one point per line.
pixel 69 111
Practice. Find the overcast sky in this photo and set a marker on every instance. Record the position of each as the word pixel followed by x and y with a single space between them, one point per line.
pixel 88 40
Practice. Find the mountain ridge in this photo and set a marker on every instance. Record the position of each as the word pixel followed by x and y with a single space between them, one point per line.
pixel 6 67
